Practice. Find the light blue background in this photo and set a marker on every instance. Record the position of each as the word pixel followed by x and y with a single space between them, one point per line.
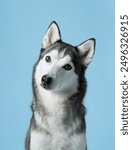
pixel 22 26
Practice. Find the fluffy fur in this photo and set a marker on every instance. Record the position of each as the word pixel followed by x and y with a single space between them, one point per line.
pixel 59 86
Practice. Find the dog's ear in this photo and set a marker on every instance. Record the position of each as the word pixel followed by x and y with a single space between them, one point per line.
pixel 52 35
pixel 86 51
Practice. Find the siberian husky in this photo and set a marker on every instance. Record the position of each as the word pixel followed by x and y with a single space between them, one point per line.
pixel 59 86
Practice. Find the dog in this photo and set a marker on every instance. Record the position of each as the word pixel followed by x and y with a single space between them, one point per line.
pixel 59 87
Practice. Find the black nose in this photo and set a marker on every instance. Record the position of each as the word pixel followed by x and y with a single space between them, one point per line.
pixel 46 81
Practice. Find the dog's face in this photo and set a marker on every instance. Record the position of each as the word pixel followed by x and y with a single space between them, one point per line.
pixel 60 64
pixel 56 69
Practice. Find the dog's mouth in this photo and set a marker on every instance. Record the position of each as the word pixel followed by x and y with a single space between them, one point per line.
pixel 47 87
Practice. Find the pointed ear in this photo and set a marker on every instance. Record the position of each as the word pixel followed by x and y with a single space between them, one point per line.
pixel 86 51
pixel 52 35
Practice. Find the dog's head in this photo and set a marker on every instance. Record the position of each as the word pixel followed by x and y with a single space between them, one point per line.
pixel 61 66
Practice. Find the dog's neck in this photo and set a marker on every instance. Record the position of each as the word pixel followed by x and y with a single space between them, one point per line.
pixel 58 108
pixel 50 101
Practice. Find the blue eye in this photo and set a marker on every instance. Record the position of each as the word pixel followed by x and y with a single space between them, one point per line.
pixel 67 67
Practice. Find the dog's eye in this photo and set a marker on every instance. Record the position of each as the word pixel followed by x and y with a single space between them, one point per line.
pixel 67 67
pixel 48 59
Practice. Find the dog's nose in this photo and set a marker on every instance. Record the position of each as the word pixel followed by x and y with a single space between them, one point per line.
pixel 46 80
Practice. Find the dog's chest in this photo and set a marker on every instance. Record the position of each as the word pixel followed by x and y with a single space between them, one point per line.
pixel 60 141
pixel 54 131
pixel 51 128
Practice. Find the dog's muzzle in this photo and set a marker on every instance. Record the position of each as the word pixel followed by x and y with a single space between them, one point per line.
pixel 46 81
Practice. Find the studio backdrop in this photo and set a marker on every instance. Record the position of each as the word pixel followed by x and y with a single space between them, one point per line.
pixel 22 27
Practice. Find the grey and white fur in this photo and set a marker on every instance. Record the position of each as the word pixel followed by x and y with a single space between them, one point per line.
pixel 59 86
